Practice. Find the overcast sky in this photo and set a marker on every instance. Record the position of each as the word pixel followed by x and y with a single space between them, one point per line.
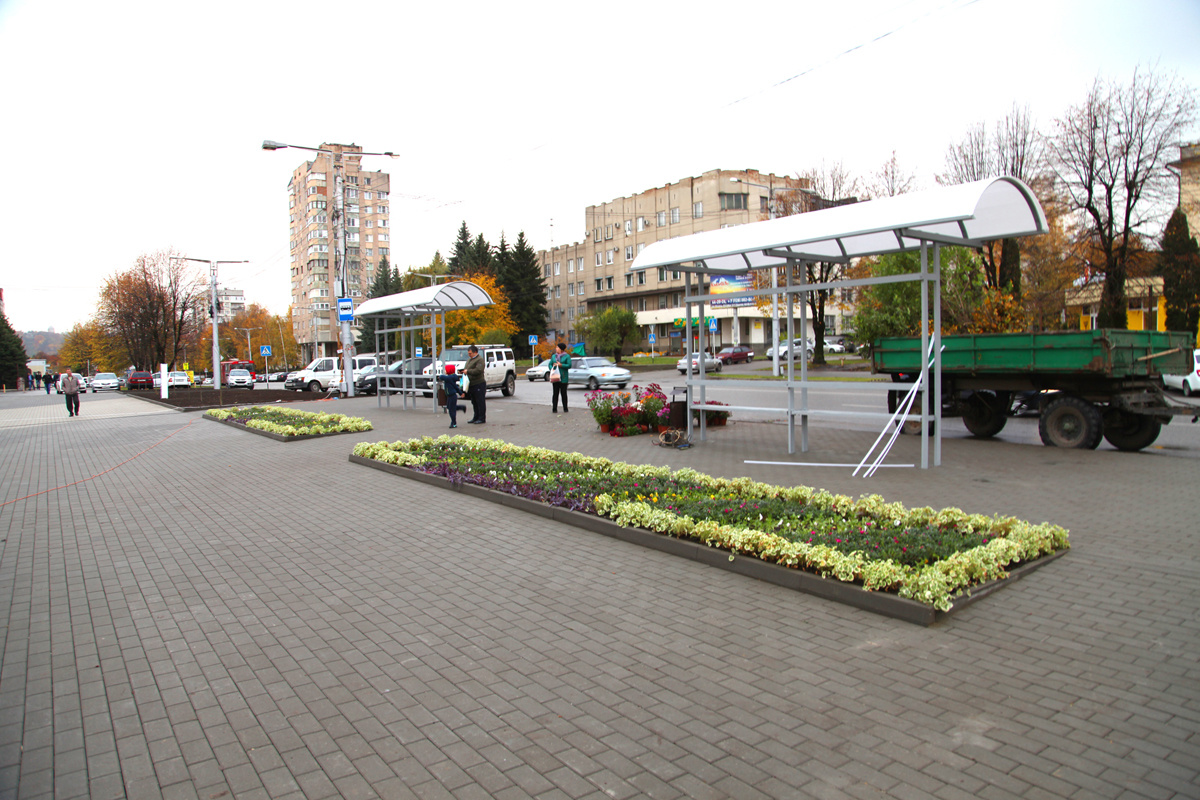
pixel 131 127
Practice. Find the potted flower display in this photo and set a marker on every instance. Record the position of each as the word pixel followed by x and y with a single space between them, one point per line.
pixel 601 405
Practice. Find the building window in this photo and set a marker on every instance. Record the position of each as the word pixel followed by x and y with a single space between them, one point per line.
pixel 570 290
pixel 674 274
pixel 557 292
pixel 698 209
pixel 734 202
pixel 580 291
pixel 599 284
pixel 662 301
pixel 608 231
pixel 662 218
pixel 642 278
pixel 641 224
pixel 641 304
pixel 628 227
pixel 557 267
pixel 571 313
pixel 662 273
pixel 608 283
pixel 629 252
pixel 608 256
pixel 764 205
pixel 595 234
pixel 597 258
pixel 570 265
pixel 629 280
pixel 674 215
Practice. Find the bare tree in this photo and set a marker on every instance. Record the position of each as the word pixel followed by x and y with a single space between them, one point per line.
pixel 1110 154
pixel 1014 149
pixel 151 308
pixel 891 180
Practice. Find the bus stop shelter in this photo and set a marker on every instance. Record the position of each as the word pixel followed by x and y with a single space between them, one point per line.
pixel 411 317
pixel 966 215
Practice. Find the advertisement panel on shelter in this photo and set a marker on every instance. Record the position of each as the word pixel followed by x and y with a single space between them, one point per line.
pixel 730 284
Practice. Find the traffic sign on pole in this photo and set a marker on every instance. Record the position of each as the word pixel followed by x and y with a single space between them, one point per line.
pixel 712 325
pixel 653 338
pixel 345 309
pixel 264 350
pixel 533 338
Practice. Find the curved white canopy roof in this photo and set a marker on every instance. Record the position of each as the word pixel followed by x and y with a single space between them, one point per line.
pixel 453 296
pixel 967 214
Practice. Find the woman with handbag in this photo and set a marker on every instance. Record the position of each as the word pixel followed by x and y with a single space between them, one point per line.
pixel 560 364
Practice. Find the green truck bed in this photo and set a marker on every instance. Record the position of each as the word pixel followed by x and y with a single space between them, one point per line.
pixel 1109 353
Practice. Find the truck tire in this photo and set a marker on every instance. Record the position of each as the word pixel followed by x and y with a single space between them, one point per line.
pixel 1130 432
pixel 985 413
pixel 314 386
pixel 1069 421
pixel 509 387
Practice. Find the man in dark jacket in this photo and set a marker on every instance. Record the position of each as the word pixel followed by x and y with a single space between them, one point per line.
pixel 477 388
pixel 70 388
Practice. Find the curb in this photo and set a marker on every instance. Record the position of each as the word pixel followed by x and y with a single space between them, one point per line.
pixel 883 603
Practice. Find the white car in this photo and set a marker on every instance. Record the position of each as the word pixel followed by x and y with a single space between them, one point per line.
pixel 241 378
pixel 711 364
pixel 1189 383
pixel 798 346
pixel 178 379
pixel 105 382
pixel 539 373
pixel 834 347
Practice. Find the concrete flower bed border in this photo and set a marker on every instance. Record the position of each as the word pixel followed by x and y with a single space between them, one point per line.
pixel 883 603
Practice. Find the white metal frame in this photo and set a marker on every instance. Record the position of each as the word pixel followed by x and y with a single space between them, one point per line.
pixel 964 215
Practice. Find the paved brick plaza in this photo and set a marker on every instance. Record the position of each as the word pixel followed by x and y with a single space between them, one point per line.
pixel 188 610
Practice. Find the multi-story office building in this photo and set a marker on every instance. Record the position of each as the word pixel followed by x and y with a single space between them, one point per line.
pixel 593 274
pixel 311 204
pixel 230 303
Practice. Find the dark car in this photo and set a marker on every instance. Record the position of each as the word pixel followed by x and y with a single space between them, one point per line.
pixel 368 383
pixel 736 354
pixel 140 380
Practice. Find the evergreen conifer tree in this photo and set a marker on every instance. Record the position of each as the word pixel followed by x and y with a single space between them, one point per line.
pixel 482 259
pixel 460 254
pixel 12 355
pixel 386 282
pixel 526 290
pixel 1179 264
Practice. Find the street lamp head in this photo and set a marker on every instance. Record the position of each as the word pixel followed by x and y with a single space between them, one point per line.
pixel 270 145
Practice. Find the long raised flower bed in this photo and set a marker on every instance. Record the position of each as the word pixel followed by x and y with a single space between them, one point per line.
pixel 914 564
pixel 287 424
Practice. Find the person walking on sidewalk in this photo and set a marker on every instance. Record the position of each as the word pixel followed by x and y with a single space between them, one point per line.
pixel 70 387
pixel 48 381
pixel 560 362
pixel 476 386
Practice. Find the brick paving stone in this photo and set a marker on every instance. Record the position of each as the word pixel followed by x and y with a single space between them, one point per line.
pixel 154 644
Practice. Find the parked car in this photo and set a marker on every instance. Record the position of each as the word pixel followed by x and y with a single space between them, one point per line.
pixel 711 363
pixel 368 383
pixel 207 381
pixel 539 373
pixel 834 347
pixel 325 373
pixel 797 346
pixel 499 365
pixel 140 379
pixel 1188 383
pixel 105 382
pixel 240 378
pixel 595 371
pixel 276 377
pixel 736 354
pixel 177 378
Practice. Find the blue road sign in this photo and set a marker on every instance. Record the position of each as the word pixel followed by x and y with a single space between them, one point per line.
pixel 265 351
pixel 712 325
pixel 653 338
pixel 345 309
pixel 420 352
pixel 533 338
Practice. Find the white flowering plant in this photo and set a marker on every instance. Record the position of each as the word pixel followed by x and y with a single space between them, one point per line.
pixel 290 421
pixel 927 555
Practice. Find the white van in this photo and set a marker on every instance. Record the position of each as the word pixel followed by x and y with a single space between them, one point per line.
pixel 325 373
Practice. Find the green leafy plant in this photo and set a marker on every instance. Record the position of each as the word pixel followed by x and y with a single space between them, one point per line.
pixel 290 421
pixel 922 554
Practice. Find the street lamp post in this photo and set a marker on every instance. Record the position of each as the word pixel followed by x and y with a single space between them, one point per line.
pixel 774 281
pixel 342 287
pixel 249 352
pixel 216 348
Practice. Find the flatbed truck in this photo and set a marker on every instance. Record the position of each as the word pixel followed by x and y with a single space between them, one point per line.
pixel 1087 385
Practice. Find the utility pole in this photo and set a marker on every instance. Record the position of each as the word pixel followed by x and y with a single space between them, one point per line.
pixel 216 348
pixel 249 352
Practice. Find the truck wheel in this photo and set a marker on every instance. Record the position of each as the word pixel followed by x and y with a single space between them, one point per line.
pixel 1069 421
pixel 985 413
pixel 509 387
pixel 314 386
pixel 1130 432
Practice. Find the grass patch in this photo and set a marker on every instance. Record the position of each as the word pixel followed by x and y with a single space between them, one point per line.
pixel 921 554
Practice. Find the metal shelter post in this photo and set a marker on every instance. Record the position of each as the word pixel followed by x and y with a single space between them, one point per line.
pixel 937 354
pixel 924 355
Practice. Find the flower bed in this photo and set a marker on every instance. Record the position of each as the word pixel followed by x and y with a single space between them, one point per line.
pixel 288 423
pixel 921 554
